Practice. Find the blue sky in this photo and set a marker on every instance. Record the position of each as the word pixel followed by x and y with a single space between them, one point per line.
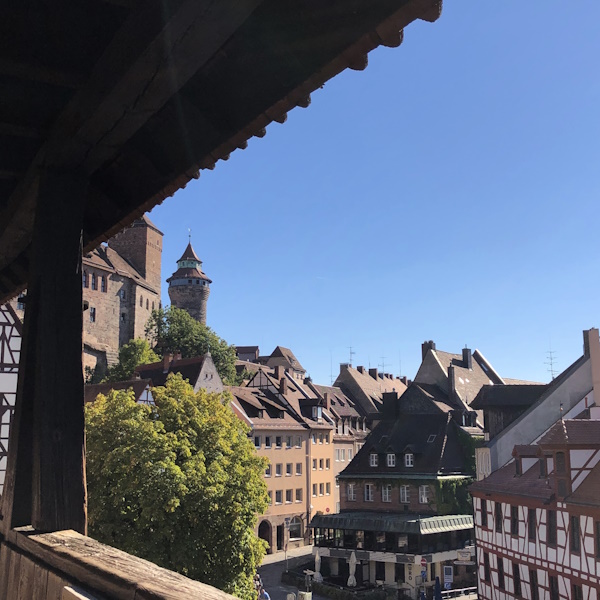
pixel 448 192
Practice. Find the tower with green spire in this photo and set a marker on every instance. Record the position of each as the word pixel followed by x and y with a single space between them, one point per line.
pixel 189 287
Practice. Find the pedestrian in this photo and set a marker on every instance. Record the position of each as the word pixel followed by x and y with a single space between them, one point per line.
pixel 264 595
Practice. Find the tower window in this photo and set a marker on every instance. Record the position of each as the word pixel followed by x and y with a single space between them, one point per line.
pixel 85 279
pixel 153 305
pixel 141 301
pixel 147 304
pixel 92 314
pixel 94 282
pixel 103 284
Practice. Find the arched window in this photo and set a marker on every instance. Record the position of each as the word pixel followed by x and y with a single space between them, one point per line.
pixel 141 301
pixel 296 528
pixel 147 304
pixel 153 305
pixel 85 279
pixel 94 282
pixel 103 284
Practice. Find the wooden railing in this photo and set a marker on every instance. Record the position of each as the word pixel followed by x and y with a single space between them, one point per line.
pixel 54 566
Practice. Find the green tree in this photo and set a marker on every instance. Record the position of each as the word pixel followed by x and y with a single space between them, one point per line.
pixel 174 330
pixel 179 484
pixel 134 353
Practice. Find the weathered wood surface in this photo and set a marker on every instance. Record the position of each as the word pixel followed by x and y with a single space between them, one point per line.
pixel 49 561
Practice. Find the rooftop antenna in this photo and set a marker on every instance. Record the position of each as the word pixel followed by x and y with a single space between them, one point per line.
pixel 330 367
pixel 352 353
pixel 189 235
pixel 551 356
pixel 382 365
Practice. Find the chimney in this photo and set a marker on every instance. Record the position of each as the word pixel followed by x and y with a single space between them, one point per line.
pixel 452 384
pixel 326 400
pixel 425 346
pixel 373 373
pixel 467 359
pixel 279 372
pixel 391 405
pixel 404 380
pixel 344 367
pixel 361 370
pixel 592 341
pixel 167 358
pixel 283 388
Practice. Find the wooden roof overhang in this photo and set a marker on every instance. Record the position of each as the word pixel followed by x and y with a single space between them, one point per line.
pixel 139 96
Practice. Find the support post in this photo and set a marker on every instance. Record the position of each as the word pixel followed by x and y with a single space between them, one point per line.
pixel 46 466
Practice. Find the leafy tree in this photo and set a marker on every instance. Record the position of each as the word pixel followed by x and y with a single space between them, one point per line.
pixel 174 330
pixel 134 353
pixel 179 484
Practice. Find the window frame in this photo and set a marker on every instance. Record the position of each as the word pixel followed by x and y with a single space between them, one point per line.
pixel 373 459
pixel 92 314
pixel 368 492
pixel 405 493
pixel 551 528
pixel 514 520
pixel 424 494
pixel 486 567
pixel 409 460
pixel 574 540
pixel 498 518
pixel 351 492
pixel 534 585
pixel 517 581
pixel 484 513
pixel 386 492
pixel 289 469
pixel 299 468
pixel 279 494
pixel 500 567
pixel 532 524
pixel 391 459
pixel 259 438
pixel 279 470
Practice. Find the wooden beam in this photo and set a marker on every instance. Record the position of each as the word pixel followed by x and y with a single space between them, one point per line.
pixel 40 74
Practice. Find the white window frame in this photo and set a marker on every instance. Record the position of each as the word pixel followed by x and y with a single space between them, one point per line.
pixel 409 459
pixel 386 492
pixel 278 469
pixel 423 494
pixel 351 492
pixel 290 494
pixel 368 490
pixel 391 460
pixel 280 494
pixel 289 469
pixel 404 494
pixel 373 459
pixel 299 468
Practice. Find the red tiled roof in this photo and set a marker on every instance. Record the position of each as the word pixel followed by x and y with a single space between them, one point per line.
pixel 573 432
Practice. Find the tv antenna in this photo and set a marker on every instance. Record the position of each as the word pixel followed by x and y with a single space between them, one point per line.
pixel 551 356
pixel 352 353
pixel 382 365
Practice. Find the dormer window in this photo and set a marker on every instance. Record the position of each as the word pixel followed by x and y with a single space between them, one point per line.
pixel 317 412
pixel 409 459
pixel 391 460
pixel 373 459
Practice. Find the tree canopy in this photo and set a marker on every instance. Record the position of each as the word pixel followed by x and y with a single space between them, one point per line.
pixel 174 330
pixel 179 484
pixel 134 353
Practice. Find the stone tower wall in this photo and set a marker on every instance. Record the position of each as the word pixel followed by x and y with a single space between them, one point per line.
pixel 191 298
pixel 141 245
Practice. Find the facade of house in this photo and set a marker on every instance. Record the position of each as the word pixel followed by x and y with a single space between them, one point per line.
pixel 141 388
pixel 537 519
pixel 405 516
pixel 283 357
pixel 11 332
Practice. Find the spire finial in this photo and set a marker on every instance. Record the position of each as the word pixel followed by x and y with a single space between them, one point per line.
pixel 189 235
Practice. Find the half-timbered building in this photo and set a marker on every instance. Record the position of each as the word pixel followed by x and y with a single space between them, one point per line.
pixel 537 519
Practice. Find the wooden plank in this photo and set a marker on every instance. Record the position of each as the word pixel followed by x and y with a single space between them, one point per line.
pixel 4 569
pixel 58 473
pixel 14 573
pixel 26 579
pixel 40 582
pixel 55 587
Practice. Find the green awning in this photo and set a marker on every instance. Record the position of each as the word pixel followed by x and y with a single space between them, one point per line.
pixel 392 523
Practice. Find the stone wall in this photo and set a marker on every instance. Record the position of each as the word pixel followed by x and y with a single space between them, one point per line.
pixel 193 299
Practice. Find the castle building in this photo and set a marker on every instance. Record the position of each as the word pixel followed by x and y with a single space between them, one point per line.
pixel 189 287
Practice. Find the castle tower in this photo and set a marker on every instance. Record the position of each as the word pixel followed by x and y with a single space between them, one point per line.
pixel 141 246
pixel 189 287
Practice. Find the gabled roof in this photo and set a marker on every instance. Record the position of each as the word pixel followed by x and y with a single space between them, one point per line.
pixel 426 398
pixel 573 432
pixel 189 368
pixel 340 404
pixel 137 385
pixel 189 254
pixel 508 395
pixel 282 357
pixel 433 439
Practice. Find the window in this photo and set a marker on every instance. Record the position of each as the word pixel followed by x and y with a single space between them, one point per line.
pixel 270 494
pixel 576 592
pixel 484 513
pixel 288 469
pixel 337 455
pixel 289 496
pixel 343 455
pixel 500 572
pixel 350 454
pixel 314 438
pixel 314 490
pixel 85 279
pixel 289 441
pixel 373 459
pixel 267 441
pixel 386 493
pixel 391 460
pixel 328 464
pixel 257 441
pixel 532 524
pixel 316 412
pixel 279 497
pixel 296 527
pixel 92 314
pixel 94 282
pixel 368 492
pixel 431 438
pixel 560 462
pixel 141 301
pixel 516 579
pixel 514 520
pixel 278 469
pixel 268 470
pixel 278 441
pixel 320 438
pixel 321 464
pixel 351 492
pixel 21 302
pixel 122 294
pixel 498 516
pixel 327 438
pixel 575 539
pixel 123 317
pixel 321 489
pixel 554 587
pixel 298 441
pixel 299 468
pixel 298 494
pixel 147 304
pixel 486 567
pixel 328 488
pixel 551 517
pixel 103 284
pixel 533 584
pixel 409 460
pixel 153 305
pixel 423 494
pixel 314 464
pixel 404 494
